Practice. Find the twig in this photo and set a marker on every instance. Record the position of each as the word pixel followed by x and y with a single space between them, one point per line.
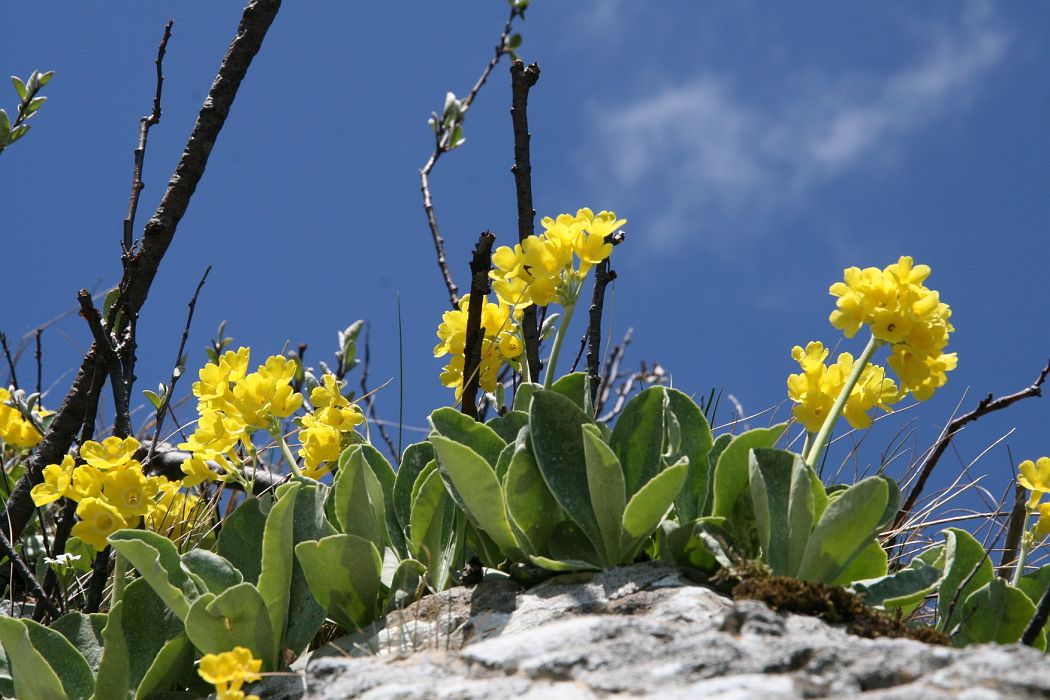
pixel 370 399
pixel 97 584
pixel 66 519
pixel 23 571
pixel 603 275
pixel 180 364
pixel 442 145
pixel 140 151
pixel 121 401
pixel 987 405
pixel 612 370
pixel 10 362
pixel 39 363
pixel 522 78
pixel 158 234
pixel 1042 614
pixel 480 264
pixel 1014 530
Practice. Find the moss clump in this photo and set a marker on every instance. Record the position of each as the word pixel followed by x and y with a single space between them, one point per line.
pixel 831 604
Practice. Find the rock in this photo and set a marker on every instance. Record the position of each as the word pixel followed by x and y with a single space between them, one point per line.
pixel 645 631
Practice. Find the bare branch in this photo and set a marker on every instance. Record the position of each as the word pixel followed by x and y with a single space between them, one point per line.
pixel 369 397
pixel 121 401
pixel 10 362
pixel 140 151
pixel 480 264
pixel 522 78
pixel 142 265
pixel 603 275
pixel 442 145
pixel 987 405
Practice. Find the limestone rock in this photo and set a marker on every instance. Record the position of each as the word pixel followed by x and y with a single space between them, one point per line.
pixel 645 631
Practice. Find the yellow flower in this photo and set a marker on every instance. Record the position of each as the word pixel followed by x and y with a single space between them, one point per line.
pixel 98 520
pixel 1035 476
pixel 197 471
pixel 216 434
pixel 57 479
pixel 15 430
pixel 816 389
pixel 111 453
pixel 1042 526
pixel 898 308
pixel 87 483
pixel 229 670
pixel 320 442
pixel 130 492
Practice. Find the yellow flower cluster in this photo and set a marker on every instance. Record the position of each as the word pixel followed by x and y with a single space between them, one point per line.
pixel 112 492
pixel 233 404
pixel 902 312
pixel 815 389
pixel 15 430
pixel 229 671
pixel 1035 476
pixel 502 341
pixel 324 430
pixel 539 270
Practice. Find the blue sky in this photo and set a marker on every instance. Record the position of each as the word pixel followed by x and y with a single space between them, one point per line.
pixel 757 149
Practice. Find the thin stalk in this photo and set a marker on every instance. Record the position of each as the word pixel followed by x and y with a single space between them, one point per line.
pixel 552 361
pixel 824 436
pixel 287 452
pixel 1022 556
pixel 808 444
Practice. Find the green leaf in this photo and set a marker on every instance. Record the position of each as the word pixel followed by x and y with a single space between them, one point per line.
pixel 731 469
pixel 384 478
pixel 524 394
pixel 147 625
pixel 358 498
pixel 113 679
pixel 648 506
pixel 846 527
pixel 608 492
pixel 475 482
pixel 432 529
pixel 966 568
pixel 157 560
pixel 405 584
pixel 236 617
pixel 638 437
pixel 995 612
pixel 509 424
pixel 568 543
pixel 72 669
pixel 5 127
pixel 901 588
pixel 20 87
pixel 576 388
pixel 413 460
pixel 33 676
pixel 217 573
pixel 18 132
pixel 34 104
pixel 173 663
pixel 450 423
pixel 240 539
pixel 557 442
pixel 695 443
pixel 275 579
pixel 783 506
pixel 344 576
pixel 84 632
pixel 871 562
pixel 305 614
pixel 531 507
pixel 561 565
pixel 683 546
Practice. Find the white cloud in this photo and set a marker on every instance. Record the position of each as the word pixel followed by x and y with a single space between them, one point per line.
pixel 710 151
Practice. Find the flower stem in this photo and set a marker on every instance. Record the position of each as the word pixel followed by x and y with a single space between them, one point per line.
pixel 552 361
pixel 808 444
pixel 1022 555
pixel 824 436
pixel 288 453
pixel 120 573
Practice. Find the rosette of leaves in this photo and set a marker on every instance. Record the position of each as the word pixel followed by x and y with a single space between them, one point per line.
pixel 548 486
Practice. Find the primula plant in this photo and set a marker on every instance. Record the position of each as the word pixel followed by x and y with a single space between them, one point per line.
pixel 215 566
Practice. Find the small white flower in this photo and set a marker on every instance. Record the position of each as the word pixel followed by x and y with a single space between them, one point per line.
pixel 62 559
